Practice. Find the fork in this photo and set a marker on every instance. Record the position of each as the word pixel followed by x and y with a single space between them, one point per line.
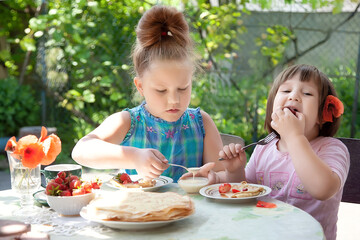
pixel 263 141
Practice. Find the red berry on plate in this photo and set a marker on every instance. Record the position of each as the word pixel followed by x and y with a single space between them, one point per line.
pixel 125 177
pixel 235 190
pixel 224 188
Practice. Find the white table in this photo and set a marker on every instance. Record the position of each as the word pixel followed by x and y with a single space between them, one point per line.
pixel 212 220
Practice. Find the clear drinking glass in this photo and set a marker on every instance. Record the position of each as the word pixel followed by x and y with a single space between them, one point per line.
pixel 24 182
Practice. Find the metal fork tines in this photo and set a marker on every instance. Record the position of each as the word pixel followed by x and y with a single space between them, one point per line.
pixel 263 141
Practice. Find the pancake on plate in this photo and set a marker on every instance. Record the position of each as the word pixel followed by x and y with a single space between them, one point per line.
pixel 123 180
pixel 140 206
pixel 243 190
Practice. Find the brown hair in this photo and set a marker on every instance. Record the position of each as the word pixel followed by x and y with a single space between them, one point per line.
pixel 325 87
pixel 162 34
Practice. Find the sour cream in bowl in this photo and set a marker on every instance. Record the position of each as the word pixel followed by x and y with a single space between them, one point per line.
pixel 193 185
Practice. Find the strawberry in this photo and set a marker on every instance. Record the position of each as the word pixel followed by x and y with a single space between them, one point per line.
pixel 52 188
pixel 75 184
pixel 87 186
pixel 125 177
pixel 63 187
pixel 59 180
pixel 65 193
pixel 224 188
pixel 73 177
pixel 78 191
pixel 234 190
pixel 62 175
pixel 96 184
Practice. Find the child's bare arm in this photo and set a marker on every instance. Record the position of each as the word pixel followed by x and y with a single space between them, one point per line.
pixel 212 142
pixel 317 177
pixel 100 149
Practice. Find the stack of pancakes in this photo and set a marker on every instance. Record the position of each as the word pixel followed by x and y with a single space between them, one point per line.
pixel 140 206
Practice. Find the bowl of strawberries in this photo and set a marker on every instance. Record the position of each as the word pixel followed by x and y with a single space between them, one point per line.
pixel 67 194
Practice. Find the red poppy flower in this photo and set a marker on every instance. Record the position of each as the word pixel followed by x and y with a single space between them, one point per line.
pixel 11 144
pixel 333 108
pixel 33 151
pixel 33 155
pixel 23 143
pixel 52 148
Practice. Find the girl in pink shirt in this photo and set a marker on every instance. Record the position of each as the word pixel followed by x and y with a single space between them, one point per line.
pixel 305 166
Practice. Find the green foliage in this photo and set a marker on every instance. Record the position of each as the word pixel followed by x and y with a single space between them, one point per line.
pixel 90 42
pixel 18 107
pixel 343 79
pixel 273 43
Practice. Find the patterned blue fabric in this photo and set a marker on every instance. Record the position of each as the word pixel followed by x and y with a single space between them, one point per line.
pixel 181 142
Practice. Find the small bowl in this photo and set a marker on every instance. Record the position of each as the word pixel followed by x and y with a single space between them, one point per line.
pixel 193 185
pixel 71 205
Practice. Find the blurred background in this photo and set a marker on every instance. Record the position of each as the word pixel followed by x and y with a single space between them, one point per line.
pixel 65 64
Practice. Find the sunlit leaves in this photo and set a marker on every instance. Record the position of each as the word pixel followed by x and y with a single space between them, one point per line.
pixel 273 43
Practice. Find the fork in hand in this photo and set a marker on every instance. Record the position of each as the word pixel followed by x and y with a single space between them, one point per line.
pixel 263 141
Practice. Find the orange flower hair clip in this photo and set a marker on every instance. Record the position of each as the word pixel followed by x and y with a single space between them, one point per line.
pixel 333 108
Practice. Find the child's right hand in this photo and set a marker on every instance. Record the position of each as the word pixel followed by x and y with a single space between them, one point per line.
pixel 150 163
pixel 234 157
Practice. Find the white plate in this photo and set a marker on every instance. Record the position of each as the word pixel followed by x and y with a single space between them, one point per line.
pixel 160 182
pixel 129 225
pixel 212 191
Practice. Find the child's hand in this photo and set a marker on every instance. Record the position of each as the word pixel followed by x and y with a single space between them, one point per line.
pixel 287 123
pixel 234 157
pixel 205 171
pixel 150 163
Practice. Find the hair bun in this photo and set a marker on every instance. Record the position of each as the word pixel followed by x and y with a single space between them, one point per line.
pixel 161 24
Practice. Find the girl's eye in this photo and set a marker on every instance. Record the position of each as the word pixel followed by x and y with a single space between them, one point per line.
pixel 308 94
pixel 183 89
pixel 286 91
pixel 161 91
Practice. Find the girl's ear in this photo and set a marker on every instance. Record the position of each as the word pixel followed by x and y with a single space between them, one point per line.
pixel 138 85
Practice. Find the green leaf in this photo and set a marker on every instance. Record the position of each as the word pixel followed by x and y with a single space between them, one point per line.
pixel 88 96
pixel 28 44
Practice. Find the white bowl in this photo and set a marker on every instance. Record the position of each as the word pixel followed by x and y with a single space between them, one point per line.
pixel 71 205
pixel 193 185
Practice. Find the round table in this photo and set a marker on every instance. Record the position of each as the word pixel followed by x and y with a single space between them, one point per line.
pixel 211 220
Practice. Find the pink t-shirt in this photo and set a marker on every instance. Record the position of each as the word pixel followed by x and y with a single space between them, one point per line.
pixel 268 166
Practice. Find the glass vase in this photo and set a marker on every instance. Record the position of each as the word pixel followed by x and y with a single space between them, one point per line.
pixel 24 182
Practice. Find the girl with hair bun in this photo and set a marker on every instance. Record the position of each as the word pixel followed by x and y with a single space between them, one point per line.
pixel 163 129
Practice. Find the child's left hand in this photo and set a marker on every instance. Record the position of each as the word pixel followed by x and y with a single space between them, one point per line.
pixel 288 124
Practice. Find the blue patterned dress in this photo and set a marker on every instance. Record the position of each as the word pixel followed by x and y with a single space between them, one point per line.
pixel 181 142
